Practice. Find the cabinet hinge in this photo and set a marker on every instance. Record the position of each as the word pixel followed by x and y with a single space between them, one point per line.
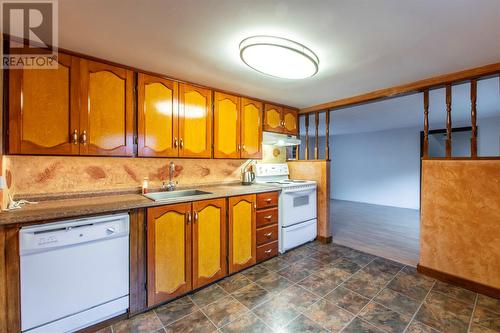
pixel 136 140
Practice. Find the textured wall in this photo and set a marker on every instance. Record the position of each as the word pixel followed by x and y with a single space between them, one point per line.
pixel 460 219
pixel 53 174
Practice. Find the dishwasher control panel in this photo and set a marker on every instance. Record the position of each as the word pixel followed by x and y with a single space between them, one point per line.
pixel 64 233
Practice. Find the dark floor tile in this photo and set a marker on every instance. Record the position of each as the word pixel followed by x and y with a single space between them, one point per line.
pixel 367 284
pixel 330 273
pixel 474 328
pixel 275 264
pixel 397 302
pixel 105 330
pixel 384 318
pixel 384 266
pixel 251 295
pixel 326 257
pixel 256 272
pixel 417 327
pixel 195 322
pixel 359 326
pixel 224 310
pixel 294 273
pixel 318 285
pixel 143 323
pixel 486 318
pixel 359 257
pixel 298 297
pixel 410 283
pixel 310 264
pixel 302 324
pixel 248 323
pixel 175 310
pixel 274 283
pixel 293 256
pixel 445 313
pixel 347 299
pixel 450 290
pixel 329 315
pixel 208 295
pixel 234 282
pixel 276 312
pixel 304 250
pixel 489 303
pixel 344 268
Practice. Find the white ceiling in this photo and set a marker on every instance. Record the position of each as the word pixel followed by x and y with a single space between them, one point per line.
pixel 362 45
pixel 407 111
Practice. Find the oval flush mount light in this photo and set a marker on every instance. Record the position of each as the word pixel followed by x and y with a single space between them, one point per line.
pixel 279 57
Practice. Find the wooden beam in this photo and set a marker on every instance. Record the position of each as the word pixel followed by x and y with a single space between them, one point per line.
pixel 297 148
pixel 306 150
pixel 448 120
pixel 316 142
pixel 473 117
pixel 426 123
pixel 327 135
pixel 413 87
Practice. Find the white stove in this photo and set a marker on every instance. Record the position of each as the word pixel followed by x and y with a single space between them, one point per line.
pixel 297 205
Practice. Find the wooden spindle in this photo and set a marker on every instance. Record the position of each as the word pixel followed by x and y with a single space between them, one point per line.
pixel 306 150
pixel 426 124
pixel 448 120
pixel 327 135
pixel 473 118
pixel 316 142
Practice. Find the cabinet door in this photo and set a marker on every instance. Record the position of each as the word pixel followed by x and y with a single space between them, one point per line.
pixel 273 118
pixel 107 113
pixel 251 128
pixel 169 252
pixel 43 109
pixel 241 232
pixel 209 241
pixel 157 118
pixel 226 126
pixel 290 121
pixel 195 122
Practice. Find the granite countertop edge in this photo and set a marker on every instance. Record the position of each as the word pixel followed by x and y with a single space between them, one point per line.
pixel 52 210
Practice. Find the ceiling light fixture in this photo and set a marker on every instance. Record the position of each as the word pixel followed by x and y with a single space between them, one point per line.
pixel 278 57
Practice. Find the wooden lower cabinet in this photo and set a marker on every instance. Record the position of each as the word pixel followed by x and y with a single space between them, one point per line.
pixel 266 240
pixel 242 249
pixel 186 248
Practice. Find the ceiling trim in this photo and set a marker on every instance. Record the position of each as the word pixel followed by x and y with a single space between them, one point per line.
pixel 413 87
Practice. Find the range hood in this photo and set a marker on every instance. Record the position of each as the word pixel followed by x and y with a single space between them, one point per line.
pixel 280 140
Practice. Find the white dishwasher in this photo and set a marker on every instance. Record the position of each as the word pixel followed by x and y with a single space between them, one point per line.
pixel 74 273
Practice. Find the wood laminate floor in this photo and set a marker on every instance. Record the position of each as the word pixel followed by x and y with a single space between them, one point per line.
pixel 384 231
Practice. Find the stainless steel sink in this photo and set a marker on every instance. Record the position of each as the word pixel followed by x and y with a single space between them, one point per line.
pixel 161 196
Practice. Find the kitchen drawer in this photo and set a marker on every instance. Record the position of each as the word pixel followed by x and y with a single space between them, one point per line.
pixel 267 217
pixel 267 251
pixel 266 200
pixel 267 234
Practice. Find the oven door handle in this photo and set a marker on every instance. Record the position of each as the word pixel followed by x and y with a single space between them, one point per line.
pixel 301 190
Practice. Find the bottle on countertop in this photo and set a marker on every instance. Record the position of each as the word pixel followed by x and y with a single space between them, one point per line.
pixel 145 185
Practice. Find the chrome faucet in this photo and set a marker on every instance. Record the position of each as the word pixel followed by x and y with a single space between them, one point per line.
pixel 171 184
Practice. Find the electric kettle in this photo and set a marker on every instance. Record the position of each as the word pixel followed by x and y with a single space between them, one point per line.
pixel 247 177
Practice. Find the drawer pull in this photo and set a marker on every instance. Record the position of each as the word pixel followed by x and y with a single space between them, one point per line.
pixel 268 251
pixel 268 217
pixel 268 200
pixel 268 235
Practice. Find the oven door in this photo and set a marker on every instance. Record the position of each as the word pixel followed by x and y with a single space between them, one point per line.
pixel 297 206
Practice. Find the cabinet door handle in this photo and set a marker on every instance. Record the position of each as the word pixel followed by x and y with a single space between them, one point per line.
pixel 268 200
pixel 83 138
pixel 188 216
pixel 195 216
pixel 268 235
pixel 239 148
pixel 243 147
pixel 268 217
pixel 75 137
pixel 268 251
pixel 181 144
pixel 176 142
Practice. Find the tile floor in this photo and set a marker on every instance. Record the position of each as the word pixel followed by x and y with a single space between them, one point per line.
pixel 323 288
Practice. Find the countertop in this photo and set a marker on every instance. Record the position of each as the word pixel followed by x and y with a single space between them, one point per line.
pixel 50 210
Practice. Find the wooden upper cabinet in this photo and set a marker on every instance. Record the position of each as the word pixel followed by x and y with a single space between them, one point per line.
pixel 169 252
pixel 209 241
pixel 157 116
pixel 251 128
pixel 195 121
pixel 242 249
pixel 290 121
pixel 226 126
pixel 43 109
pixel 273 118
pixel 106 117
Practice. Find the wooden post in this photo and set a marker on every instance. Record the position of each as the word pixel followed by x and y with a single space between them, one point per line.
pixel 448 120
pixel 297 148
pixel 473 117
pixel 306 150
pixel 426 124
pixel 327 135
pixel 316 123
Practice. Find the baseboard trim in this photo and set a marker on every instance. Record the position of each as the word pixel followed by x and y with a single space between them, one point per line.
pixel 461 282
pixel 324 240
pixel 103 324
